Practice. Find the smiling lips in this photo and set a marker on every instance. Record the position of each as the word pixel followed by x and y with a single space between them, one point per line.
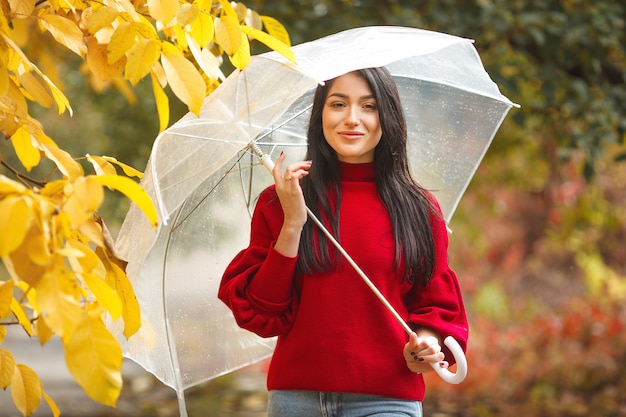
pixel 351 134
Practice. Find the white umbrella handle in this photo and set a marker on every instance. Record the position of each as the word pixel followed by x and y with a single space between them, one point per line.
pixel 461 363
pixel 450 342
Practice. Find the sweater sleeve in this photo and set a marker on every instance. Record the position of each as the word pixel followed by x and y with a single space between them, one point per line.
pixel 440 305
pixel 264 311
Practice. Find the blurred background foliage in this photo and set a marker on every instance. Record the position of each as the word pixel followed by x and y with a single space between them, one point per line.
pixel 538 241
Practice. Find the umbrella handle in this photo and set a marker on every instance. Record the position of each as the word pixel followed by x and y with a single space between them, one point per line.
pixel 450 342
pixel 461 363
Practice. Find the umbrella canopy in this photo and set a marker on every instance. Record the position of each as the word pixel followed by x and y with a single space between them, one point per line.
pixel 204 179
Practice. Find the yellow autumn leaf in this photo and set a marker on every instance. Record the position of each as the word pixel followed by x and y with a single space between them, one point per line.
pixel 178 33
pixel 21 316
pixel 271 42
pixel 63 160
pixel 53 406
pixel 15 220
pixel 101 165
pixel 38 250
pixel 98 61
pixel 18 106
pixel 133 191
pixel 203 29
pixel 4 81
pixel 187 13
pixel 44 334
pixel 105 295
pixel 6 295
pixel 128 170
pixel 145 28
pixel 81 254
pixel 17 58
pixel 25 389
pixel 92 231
pixel 253 19
pixel 101 18
pixel 22 7
pixel 7 367
pixel 162 102
pixel 130 311
pixel 94 359
pixel 122 40
pixel 65 32
pixel 20 264
pixel 205 59
pixel 41 329
pixel 30 294
pixel 35 89
pixel 163 11
pixel 57 301
pixel 8 186
pixel 241 58
pixel 228 34
pixel 83 197
pixel 28 155
pixel 89 191
pixel 62 102
pixel 141 58
pixel 240 10
pixel 276 29
pixel 184 79
pixel 228 9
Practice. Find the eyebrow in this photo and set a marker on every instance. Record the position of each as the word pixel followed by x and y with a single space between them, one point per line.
pixel 345 96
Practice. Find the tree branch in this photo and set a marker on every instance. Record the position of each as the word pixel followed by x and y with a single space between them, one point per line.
pixel 15 323
pixel 22 176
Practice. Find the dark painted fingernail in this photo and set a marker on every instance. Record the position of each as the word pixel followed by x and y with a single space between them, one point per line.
pixel 421 359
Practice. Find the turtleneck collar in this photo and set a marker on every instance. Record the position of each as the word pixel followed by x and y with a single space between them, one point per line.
pixel 365 172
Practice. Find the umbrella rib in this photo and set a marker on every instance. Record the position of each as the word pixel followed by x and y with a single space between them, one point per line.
pixel 179 221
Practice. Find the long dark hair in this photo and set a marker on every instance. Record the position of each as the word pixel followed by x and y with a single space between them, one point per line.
pixel 407 202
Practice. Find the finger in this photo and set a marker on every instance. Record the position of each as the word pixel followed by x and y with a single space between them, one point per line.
pixel 297 170
pixel 437 357
pixel 278 167
pixel 410 349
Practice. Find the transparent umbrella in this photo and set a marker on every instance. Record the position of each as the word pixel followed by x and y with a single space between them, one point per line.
pixel 204 173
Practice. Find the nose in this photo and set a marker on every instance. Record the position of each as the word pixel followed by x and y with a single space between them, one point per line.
pixel 352 118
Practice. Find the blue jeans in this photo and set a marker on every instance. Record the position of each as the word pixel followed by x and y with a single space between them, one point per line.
pixel 335 404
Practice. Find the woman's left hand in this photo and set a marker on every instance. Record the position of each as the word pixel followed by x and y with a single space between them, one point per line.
pixel 422 349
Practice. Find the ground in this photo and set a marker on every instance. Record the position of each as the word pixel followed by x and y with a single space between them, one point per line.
pixel 240 394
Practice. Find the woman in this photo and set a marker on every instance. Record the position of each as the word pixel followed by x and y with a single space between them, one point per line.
pixel 339 352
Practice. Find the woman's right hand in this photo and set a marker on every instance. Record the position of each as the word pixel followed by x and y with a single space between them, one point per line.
pixel 293 204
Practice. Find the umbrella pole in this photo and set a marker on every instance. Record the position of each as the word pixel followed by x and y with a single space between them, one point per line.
pixel 450 342
pixel 269 164
pixel 360 272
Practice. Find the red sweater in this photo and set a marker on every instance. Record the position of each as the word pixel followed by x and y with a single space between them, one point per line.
pixel 333 333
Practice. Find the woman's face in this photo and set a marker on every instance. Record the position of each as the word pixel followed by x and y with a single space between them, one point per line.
pixel 350 119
